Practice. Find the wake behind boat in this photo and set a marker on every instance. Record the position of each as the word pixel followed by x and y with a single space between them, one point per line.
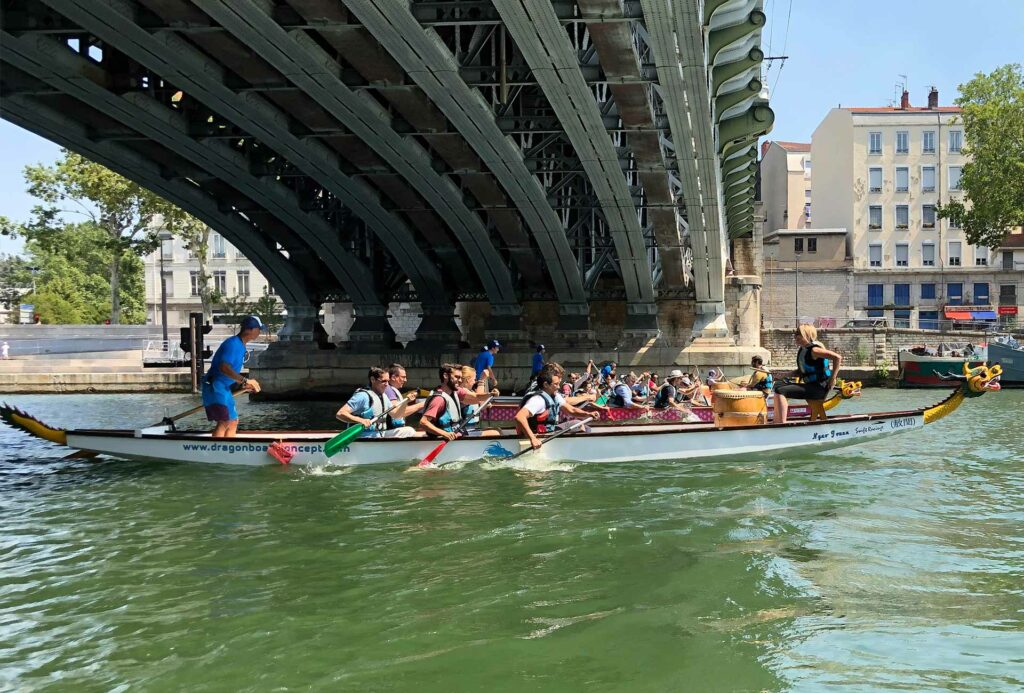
pixel 600 445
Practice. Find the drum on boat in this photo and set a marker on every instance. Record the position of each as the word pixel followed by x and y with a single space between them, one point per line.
pixel 739 408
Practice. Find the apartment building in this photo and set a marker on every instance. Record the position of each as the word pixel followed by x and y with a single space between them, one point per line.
pixel 880 174
pixel 785 170
pixel 231 275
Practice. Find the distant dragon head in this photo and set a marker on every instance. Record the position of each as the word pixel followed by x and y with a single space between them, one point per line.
pixel 848 389
pixel 978 380
pixel 23 421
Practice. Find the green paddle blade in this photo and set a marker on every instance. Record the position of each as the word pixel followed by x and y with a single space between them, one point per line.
pixel 340 441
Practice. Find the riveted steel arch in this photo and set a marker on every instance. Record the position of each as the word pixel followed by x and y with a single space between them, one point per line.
pixel 165 53
pixel 59 127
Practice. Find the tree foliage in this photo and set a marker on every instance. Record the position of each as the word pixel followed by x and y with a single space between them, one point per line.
pixel 266 308
pixel 993 179
pixel 15 279
pixel 128 215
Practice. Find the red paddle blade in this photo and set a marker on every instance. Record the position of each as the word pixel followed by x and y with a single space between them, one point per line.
pixel 432 454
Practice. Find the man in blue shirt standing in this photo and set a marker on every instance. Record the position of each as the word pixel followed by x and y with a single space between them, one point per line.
pixel 225 371
pixel 538 362
pixel 484 364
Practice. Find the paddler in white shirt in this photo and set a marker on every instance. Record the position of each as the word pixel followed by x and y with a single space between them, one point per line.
pixel 540 410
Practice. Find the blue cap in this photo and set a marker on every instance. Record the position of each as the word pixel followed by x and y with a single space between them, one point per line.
pixel 493 343
pixel 250 322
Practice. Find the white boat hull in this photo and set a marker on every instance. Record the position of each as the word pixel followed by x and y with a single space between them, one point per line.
pixel 620 444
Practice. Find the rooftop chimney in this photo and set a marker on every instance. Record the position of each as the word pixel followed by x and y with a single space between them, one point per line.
pixel 933 98
pixel 905 100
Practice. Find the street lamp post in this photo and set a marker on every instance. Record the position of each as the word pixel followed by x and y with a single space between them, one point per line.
pixel 163 236
pixel 796 290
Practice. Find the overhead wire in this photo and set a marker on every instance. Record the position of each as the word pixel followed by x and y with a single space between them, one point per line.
pixel 785 43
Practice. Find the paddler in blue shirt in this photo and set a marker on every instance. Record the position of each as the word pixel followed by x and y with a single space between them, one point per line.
pixel 484 364
pixel 225 372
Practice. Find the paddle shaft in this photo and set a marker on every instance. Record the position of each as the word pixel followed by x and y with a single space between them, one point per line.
pixel 459 429
pixel 331 446
pixel 562 432
pixel 195 409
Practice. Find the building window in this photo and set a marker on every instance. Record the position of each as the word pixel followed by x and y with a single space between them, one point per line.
pixel 928 216
pixel 927 179
pixel 902 216
pixel 807 194
pixel 167 249
pixel 928 292
pixel 271 291
pixel 902 179
pixel 980 256
pixel 981 293
pixel 220 282
pixel 798 245
pixel 875 217
pixel 168 277
pixel 243 282
pixel 956 141
pixel 928 142
pixel 874 143
pixel 807 167
pixel 901 318
pixel 875 179
pixel 875 255
pixel 812 245
pixel 1007 259
pixel 902 254
pixel 1007 294
pixel 927 255
pixel 217 242
pixel 901 294
pixel 954 254
pixel 955 294
pixel 902 142
pixel 954 177
pixel 807 211
pixel 194 280
pixel 928 320
pixel 876 295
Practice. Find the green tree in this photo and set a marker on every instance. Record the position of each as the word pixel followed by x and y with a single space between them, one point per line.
pixel 15 279
pixel 128 214
pixel 992 109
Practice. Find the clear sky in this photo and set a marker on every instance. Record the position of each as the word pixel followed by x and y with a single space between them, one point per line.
pixel 849 52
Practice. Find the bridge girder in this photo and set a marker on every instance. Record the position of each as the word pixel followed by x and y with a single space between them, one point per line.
pixel 578 150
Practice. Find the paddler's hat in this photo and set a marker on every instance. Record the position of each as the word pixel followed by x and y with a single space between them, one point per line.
pixel 674 374
pixel 251 321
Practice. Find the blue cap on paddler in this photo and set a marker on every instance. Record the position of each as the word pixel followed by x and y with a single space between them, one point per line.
pixel 493 344
pixel 251 321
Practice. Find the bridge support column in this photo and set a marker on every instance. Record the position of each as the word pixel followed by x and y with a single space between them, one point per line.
pixel 506 325
pixel 300 324
pixel 438 330
pixel 641 322
pixel 371 330
pixel 573 327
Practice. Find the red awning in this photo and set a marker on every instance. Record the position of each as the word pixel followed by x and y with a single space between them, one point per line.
pixel 958 314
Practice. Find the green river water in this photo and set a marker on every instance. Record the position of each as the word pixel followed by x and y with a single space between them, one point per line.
pixel 893 565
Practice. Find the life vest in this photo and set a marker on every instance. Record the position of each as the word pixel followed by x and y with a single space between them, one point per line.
pixel 767 384
pixel 667 393
pixel 813 370
pixel 547 419
pixel 378 405
pixel 614 398
pixel 393 422
pixel 451 417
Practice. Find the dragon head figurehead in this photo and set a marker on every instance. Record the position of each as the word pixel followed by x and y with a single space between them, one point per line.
pixel 23 421
pixel 848 389
pixel 978 380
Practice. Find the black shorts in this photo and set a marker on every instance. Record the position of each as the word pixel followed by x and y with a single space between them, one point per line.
pixel 807 391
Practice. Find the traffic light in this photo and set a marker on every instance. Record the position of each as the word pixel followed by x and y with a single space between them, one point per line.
pixel 201 348
pixel 186 340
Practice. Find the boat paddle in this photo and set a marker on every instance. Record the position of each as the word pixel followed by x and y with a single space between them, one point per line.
pixel 560 432
pixel 335 444
pixel 458 429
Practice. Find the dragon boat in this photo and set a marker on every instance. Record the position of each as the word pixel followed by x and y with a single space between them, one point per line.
pixel 598 445
pixel 505 408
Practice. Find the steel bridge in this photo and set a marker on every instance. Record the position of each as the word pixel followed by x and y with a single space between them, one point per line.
pixel 431 150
